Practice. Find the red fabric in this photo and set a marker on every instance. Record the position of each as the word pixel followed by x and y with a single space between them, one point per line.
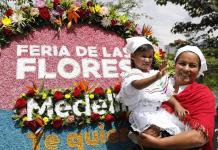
pixel 200 102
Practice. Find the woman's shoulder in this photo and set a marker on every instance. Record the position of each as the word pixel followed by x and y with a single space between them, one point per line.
pixel 200 88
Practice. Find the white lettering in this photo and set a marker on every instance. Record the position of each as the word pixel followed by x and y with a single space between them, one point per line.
pixel 90 66
pixel 42 70
pixel 109 68
pixel 68 61
pixel 22 67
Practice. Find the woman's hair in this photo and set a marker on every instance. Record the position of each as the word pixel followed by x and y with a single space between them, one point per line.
pixel 143 48
pixel 195 54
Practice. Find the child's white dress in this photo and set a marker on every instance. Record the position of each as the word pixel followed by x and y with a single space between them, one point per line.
pixel 145 104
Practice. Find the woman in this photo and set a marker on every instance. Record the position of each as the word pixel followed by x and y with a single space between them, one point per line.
pixel 196 98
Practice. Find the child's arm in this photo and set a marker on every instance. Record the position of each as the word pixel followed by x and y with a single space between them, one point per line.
pixel 143 83
pixel 140 84
pixel 179 110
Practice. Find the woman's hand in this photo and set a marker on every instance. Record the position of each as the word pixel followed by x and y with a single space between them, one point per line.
pixel 147 140
pixel 180 111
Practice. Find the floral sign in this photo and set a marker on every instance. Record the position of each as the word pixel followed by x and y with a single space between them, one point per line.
pixel 80 105
pixel 76 50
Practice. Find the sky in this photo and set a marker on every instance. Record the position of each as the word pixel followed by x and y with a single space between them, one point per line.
pixel 161 19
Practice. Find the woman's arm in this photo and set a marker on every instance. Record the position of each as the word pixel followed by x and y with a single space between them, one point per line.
pixel 184 140
pixel 180 111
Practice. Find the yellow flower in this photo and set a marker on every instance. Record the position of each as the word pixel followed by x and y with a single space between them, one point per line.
pixel 25 119
pixel 157 55
pixel 67 96
pixel 102 117
pixel 108 91
pixel 84 103
pixel 22 95
pixel 97 8
pixel 123 19
pixel 91 96
pixel 92 9
pixel 44 95
pixel 6 21
pixel 69 24
pixel 45 119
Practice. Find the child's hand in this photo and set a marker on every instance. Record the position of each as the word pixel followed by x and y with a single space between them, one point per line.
pixel 181 112
pixel 162 69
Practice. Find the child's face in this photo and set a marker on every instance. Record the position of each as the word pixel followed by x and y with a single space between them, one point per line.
pixel 143 59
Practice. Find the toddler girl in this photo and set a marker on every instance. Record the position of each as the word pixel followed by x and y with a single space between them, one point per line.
pixel 144 89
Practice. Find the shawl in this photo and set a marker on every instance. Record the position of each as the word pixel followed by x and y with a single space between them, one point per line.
pixel 200 102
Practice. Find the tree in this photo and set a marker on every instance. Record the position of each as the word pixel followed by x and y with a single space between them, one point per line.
pixel 208 14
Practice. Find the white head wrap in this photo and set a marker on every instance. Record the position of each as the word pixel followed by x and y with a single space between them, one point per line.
pixel 135 42
pixel 197 51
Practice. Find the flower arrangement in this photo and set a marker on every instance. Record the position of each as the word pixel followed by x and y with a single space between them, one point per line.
pixel 29 15
pixel 102 109
pixel 160 57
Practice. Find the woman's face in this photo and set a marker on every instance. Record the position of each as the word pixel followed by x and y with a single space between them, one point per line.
pixel 187 68
pixel 143 59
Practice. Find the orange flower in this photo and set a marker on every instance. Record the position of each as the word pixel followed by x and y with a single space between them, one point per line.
pixel 58 21
pixel 72 14
pixel 146 31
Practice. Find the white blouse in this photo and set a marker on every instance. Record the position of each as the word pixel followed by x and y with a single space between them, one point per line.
pixel 151 96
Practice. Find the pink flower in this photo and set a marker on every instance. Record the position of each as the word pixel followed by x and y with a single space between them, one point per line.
pixel 138 29
pixel 70 119
pixel 39 3
pixel 23 111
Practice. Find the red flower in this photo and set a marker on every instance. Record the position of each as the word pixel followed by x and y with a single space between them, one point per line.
pixel 95 117
pixel 34 124
pixel 57 124
pixel 58 96
pixel 30 93
pixel 56 2
pixel 99 91
pixel 114 22
pixel 20 103
pixel 31 125
pixel 109 118
pixel 117 88
pixel 162 53
pixel 90 4
pixel 83 13
pixel 7 31
pixel 9 12
pixel 44 13
pixel 76 92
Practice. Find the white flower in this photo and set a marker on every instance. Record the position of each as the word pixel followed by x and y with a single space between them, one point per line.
pixel 17 18
pixel 34 11
pixel 26 4
pixel 106 22
pixel 104 11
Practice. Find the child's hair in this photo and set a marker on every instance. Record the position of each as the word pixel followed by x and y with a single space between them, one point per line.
pixel 142 48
